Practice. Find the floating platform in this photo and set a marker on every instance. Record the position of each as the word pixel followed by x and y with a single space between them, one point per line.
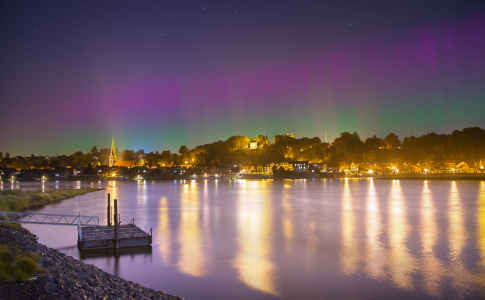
pixel 103 237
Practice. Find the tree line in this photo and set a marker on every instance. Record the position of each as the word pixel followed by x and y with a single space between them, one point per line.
pixel 467 145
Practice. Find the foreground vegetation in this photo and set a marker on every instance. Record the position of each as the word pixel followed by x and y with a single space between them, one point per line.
pixel 20 267
pixel 15 263
pixel 19 200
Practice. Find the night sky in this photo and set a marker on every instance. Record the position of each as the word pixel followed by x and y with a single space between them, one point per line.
pixel 161 74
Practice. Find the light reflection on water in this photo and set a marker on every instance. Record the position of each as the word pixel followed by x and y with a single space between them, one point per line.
pixel 401 262
pixel 295 238
pixel 432 266
pixel 374 246
pixel 192 259
pixel 350 250
pixel 481 230
pixel 253 259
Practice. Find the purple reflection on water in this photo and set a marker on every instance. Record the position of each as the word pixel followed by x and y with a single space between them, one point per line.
pixel 294 238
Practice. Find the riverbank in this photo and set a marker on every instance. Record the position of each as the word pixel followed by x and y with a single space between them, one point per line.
pixel 64 277
pixel 435 176
pixel 19 200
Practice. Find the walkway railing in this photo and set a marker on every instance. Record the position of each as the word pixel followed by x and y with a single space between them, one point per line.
pixel 47 219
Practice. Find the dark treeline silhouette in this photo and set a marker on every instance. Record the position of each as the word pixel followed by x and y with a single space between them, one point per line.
pixel 467 145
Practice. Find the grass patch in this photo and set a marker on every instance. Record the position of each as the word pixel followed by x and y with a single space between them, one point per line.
pixel 21 268
pixel 19 201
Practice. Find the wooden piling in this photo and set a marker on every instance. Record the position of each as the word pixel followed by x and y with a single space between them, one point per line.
pixel 109 212
pixel 117 233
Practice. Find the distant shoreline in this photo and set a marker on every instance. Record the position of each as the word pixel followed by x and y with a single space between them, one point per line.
pixel 439 176
pixel 452 176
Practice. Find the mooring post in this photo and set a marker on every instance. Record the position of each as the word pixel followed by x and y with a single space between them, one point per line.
pixel 109 211
pixel 117 244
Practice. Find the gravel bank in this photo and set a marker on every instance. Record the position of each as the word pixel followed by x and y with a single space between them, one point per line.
pixel 66 277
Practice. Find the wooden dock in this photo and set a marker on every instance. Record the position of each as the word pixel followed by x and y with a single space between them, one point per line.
pixel 104 237
pixel 112 236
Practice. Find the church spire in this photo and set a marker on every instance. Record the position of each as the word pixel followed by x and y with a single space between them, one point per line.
pixel 112 154
pixel 113 145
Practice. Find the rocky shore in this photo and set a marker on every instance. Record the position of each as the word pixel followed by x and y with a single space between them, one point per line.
pixel 63 277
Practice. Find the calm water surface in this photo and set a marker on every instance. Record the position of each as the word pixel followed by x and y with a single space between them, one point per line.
pixel 293 239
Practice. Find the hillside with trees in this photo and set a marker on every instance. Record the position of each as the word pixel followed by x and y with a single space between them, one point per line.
pixel 466 145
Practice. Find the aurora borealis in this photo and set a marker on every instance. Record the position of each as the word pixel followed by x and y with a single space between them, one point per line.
pixel 159 74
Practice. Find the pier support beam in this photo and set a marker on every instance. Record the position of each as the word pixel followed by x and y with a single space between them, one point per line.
pixel 117 230
pixel 109 211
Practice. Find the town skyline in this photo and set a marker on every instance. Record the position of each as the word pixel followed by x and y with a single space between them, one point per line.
pixel 464 145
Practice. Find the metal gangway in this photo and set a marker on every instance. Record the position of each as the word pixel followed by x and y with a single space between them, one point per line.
pixel 47 219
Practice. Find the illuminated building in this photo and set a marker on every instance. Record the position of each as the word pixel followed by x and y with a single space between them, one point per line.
pixel 300 166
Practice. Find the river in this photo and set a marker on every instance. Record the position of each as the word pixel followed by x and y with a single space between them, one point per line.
pixel 290 239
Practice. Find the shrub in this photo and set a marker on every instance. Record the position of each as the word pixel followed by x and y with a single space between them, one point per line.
pixel 23 268
pixel 5 263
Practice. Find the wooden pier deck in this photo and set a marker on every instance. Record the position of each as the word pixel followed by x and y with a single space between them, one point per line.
pixel 103 237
